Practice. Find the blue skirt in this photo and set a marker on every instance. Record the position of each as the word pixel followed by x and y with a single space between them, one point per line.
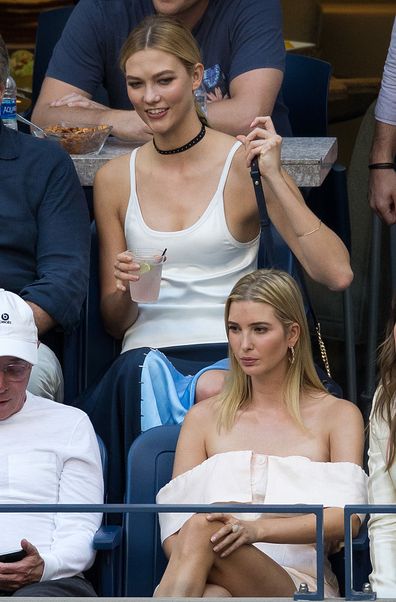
pixel 114 404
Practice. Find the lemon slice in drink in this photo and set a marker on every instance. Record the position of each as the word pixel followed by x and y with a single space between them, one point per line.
pixel 144 267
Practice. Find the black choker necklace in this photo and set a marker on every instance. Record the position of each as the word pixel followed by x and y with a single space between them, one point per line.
pixel 181 149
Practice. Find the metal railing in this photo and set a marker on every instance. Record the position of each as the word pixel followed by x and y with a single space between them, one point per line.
pixel 317 510
pixel 349 510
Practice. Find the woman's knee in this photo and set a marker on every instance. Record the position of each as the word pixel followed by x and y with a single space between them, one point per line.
pixel 196 533
pixel 209 384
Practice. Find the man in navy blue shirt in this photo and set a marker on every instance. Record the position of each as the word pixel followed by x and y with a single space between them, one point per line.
pixel 241 44
pixel 44 237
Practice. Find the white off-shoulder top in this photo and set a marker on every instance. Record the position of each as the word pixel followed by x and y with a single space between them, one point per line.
pixel 250 478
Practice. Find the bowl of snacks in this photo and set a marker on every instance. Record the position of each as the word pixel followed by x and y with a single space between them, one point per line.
pixel 79 139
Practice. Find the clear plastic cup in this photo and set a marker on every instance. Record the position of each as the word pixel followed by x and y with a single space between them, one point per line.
pixel 146 289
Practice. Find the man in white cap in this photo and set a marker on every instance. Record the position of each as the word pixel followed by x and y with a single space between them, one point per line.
pixel 48 455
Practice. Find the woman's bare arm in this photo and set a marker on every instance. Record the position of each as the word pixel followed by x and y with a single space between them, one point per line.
pixel 191 446
pixel 299 529
pixel 118 310
pixel 319 250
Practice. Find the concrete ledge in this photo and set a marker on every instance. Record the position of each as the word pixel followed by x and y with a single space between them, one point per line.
pixel 307 160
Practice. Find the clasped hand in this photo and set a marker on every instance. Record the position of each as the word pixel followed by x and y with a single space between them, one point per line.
pixel 14 575
pixel 263 142
pixel 234 534
pixel 382 194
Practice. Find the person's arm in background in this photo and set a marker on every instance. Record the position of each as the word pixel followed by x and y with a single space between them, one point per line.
pixel 59 101
pixel 382 182
pixel 44 321
pixel 74 74
pixel 234 115
pixel 62 252
pixel 256 68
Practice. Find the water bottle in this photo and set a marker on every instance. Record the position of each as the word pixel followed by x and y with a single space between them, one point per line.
pixel 8 104
pixel 200 99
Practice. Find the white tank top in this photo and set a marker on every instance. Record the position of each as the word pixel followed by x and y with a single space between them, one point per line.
pixel 203 263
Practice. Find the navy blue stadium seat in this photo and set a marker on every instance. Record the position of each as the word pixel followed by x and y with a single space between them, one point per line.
pixel 149 468
pixel 305 90
pixel 106 573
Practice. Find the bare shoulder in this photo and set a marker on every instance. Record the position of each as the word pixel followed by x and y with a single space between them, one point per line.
pixel 334 412
pixel 337 411
pixel 111 171
pixel 112 185
pixel 218 144
pixel 345 428
pixel 217 137
pixel 192 444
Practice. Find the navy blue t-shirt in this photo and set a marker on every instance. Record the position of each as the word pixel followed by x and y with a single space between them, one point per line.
pixel 235 36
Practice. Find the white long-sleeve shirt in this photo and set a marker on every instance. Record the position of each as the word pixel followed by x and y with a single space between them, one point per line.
pixel 48 455
pixel 382 527
pixel 385 109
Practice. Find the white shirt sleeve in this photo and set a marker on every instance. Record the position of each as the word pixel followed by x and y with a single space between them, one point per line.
pixel 382 527
pixel 81 482
pixel 385 109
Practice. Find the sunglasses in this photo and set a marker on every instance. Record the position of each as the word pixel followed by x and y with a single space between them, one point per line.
pixel 15 372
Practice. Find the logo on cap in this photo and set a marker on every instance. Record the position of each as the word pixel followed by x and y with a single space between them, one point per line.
pixel 5 318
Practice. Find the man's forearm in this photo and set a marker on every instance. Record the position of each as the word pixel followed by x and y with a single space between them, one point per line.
pixel 252 94
pixel 229 116
pixel 126 124
pixel 46 115
pixel 44 321
pixel 383 149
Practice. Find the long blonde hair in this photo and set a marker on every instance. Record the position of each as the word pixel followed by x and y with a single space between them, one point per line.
pixel 170 36
pixel 385 403
pixel 278 289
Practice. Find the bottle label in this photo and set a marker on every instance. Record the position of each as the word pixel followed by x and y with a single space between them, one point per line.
pixel 8 108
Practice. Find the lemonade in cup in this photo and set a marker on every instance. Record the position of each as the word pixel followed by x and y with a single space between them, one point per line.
pixel 146 289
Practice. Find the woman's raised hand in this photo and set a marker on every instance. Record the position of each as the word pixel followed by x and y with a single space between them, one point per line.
pixel 124 266
pixel 263 142
pixel 233 534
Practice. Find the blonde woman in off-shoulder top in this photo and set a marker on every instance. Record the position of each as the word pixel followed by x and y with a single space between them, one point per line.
pixel 274 435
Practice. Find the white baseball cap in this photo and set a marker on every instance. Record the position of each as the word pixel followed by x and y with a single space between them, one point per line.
pixel 18 331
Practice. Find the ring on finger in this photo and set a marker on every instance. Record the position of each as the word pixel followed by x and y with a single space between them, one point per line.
pixel 235 528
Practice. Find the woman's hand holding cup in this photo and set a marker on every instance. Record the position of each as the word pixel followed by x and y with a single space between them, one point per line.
pixel 125 270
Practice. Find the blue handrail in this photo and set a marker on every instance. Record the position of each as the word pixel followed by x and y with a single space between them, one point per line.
pixel 315 509
pixel 350 593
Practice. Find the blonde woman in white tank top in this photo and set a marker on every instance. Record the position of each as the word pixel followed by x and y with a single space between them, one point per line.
pixel 173 190
pixel 172 198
